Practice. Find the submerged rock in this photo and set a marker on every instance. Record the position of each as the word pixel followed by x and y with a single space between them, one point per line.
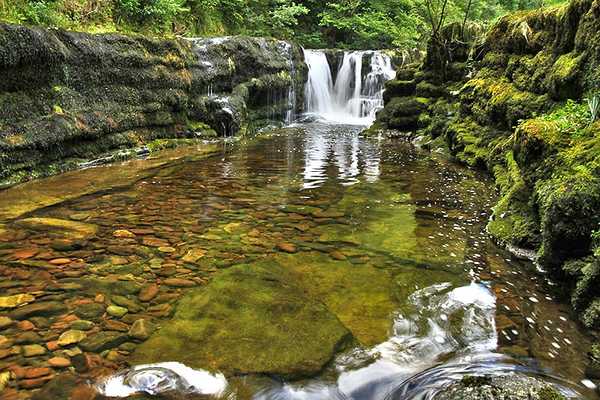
pixel 512 387
pixel 68 229
pixel 249 319
pixel 16 300
pixel 40 309
pixel 103 341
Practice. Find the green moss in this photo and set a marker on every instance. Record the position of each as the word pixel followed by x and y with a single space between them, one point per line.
pixel 361 298
pixel 497 101
pixel 513 221
pixel 495 60
pixel 591 315
pixel 549 393
pixel 398 88
pixel 429 90
pixel 402 113
pixel 249 319
pixel 466 140
pixel 563 78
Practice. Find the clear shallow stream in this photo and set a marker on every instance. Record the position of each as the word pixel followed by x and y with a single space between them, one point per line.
pixel 389 239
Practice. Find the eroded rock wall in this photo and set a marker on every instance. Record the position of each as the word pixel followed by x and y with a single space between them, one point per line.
pixel 67 96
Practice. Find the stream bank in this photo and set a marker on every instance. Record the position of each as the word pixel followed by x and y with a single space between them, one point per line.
pixel 515 106
pixel 70 97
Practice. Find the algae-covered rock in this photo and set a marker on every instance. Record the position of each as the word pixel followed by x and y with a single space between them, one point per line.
pixel 398 88
pixel 361 298
pixel 512 386
pixel 66 228
pixel 402 113
pixel 249 319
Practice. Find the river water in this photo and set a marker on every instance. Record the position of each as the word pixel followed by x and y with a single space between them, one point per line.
pixel 389 239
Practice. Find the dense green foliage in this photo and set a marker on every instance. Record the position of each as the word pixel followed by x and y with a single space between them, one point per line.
pixel 314 23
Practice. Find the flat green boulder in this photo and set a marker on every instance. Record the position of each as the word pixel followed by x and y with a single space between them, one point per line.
pixel 68 229
pixel 251 319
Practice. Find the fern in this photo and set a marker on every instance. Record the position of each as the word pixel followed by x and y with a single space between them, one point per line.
pixel 594 104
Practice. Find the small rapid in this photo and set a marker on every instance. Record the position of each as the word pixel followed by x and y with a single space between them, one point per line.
pixel 357 92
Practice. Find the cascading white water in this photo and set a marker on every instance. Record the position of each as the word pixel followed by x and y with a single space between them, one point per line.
pixel 319 87
pixel 354 98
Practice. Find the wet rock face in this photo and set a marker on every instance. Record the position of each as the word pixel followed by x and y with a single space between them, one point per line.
pixel 74 96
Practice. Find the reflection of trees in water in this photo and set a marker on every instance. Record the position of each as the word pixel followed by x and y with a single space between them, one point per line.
pixel 346 157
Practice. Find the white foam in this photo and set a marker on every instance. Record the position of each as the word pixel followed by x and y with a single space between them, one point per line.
pixel 475 294
pixel 201 382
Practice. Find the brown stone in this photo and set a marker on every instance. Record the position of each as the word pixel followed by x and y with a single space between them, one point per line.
pixel 123 233
pixel 5 353
pixel 25 325
pixel 148 293
pixel 114 325
pixel 59 362
pixel 60 261
pixel 287 247
pixel 34 383
pixel 337 255
pixel 30 373
pixel 179 282
pixel 24 254
pixel 53 345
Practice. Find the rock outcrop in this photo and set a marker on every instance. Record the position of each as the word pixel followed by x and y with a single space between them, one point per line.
pixel 517 107
pixel 67 96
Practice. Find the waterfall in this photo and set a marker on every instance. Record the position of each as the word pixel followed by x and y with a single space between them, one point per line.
pixel 291 113
pixel 355 96
pixel 319 88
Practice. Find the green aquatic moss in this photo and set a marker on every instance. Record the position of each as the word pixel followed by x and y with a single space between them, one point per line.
pixel 360 297
pixel 249 319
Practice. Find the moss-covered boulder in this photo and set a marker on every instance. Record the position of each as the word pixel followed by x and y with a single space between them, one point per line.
pixel 513 386
pixel 521 114
pixel 249 319
pixel 402 113
pixel 399 88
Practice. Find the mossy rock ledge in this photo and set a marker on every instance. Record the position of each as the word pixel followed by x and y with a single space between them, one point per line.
pixel 251 319
pixel 517 108
pixel 69 97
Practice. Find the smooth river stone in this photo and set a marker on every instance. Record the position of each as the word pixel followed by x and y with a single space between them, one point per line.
pixel 71 337
pixel 287 247
pixel 116 311
pixel 69 229
pixel 5 322
pixel 148 293
pixel 39 309
pixel 59 362
pixel 179 282
pixel 141 329
pixel 33 350
pixel 103 341
pixel 248 319
pixel 16 300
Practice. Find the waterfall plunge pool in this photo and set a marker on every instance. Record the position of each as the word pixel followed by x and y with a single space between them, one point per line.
pixel 306 264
